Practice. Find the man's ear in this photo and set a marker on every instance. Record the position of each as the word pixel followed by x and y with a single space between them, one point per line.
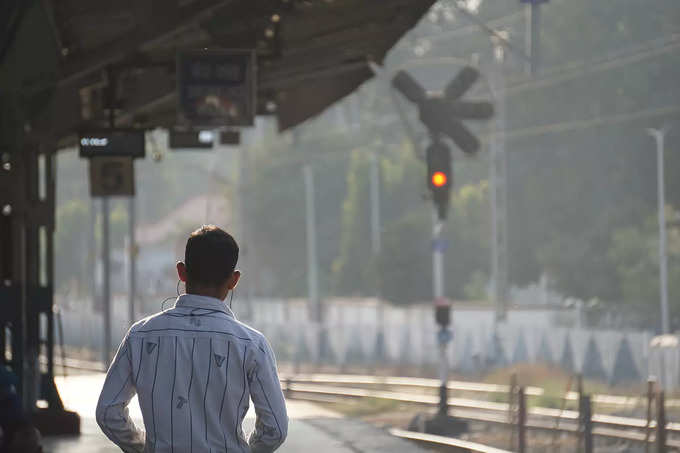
pixel 182 271
pixel 233 280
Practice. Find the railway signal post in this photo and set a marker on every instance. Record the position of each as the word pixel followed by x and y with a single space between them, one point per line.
pixel 443 114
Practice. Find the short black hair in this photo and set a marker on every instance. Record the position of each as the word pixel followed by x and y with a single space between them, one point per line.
pixel 210 256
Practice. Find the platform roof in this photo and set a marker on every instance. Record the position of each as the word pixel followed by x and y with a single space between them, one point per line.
pixel 319 53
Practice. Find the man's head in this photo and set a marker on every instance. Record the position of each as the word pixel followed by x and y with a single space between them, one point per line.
pixel 209 267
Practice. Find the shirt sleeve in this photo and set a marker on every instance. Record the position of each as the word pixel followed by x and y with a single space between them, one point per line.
pixel 112 412
pixel 271 422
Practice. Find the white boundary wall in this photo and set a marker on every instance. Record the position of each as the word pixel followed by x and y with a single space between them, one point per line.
pixel 351 333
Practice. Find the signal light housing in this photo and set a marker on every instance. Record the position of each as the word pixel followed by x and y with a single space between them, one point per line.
pixel 439 176
pixel 442 315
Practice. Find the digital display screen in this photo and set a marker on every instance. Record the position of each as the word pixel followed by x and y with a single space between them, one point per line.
pixel 114 142
pixel 191 140
pixel 216 88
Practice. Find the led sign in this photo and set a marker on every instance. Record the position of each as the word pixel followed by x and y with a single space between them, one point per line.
pixel 115 142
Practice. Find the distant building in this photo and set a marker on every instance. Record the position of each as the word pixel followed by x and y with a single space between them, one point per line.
pixel 161 244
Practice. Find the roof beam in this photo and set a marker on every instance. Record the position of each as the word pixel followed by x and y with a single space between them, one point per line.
pixel 145 37
pixel 282 80
pixel 327 18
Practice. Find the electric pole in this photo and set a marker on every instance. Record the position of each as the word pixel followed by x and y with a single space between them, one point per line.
pixel 659 135
pixel 533 33
pixel 498 190
pixel 132 254
pixel 106 287
pixel 375 249
pixel 312 261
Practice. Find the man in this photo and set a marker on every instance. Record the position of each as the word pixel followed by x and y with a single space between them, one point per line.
pixel 195 366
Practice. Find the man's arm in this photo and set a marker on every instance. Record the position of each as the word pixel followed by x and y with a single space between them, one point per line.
pixel 271 423
pixel 112 412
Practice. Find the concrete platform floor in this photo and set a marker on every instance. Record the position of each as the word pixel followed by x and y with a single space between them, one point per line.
pixel 312 428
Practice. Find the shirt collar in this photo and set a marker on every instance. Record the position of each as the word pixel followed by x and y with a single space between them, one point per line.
pixel 203 302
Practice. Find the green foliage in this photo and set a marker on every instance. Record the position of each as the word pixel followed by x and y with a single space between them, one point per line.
pixel 73 219
pixel 405 262
pixel 469 232
pixel 275 206
pixel 402 272
pixel 475 289
pixel 354 270
pixel 635 250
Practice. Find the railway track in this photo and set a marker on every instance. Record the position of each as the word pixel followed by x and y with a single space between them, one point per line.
pixel 328 388
pixel 421 391
pixel 452 444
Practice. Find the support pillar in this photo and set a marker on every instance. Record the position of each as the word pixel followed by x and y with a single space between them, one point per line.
pixel 27 212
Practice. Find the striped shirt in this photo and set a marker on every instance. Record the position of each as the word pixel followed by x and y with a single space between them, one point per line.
pixel 194 368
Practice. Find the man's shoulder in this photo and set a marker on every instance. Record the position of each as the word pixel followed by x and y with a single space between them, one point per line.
pixel 139 325
pixel 251 332
pixel 235 327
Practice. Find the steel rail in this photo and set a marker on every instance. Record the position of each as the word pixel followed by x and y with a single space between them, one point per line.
pixel 461 386
pixel 622 433
pixel 625 428
pixel 458 444
pixel 425 383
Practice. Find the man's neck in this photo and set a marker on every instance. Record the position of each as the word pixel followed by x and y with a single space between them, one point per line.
pixel 206 292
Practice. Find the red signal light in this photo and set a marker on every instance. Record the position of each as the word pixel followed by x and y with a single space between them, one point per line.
pixel 439 179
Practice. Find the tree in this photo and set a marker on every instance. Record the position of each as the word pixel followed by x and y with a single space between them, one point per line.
pixel 468 230
pixel 635 250
pixel 72 230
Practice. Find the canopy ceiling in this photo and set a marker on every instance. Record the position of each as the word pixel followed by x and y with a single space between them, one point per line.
pixel 318 52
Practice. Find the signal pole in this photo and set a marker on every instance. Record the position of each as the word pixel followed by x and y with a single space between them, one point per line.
pixel 438 248
pixel 437 258
pixel 443 114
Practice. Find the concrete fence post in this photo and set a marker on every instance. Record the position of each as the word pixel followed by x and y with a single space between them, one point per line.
pixel 521 420
pixel 586 423
pixel 650 401
pixel 660 423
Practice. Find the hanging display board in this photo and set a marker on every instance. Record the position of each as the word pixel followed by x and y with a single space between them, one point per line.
pixel 216 88
pixel 191 140
pixel 112 142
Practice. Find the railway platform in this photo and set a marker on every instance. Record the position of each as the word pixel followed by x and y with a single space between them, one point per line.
pixel 311 428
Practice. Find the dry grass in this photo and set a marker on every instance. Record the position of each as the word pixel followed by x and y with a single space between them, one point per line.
pixel 363 407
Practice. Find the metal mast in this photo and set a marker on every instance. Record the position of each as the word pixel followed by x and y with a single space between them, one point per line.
pixel 498 189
